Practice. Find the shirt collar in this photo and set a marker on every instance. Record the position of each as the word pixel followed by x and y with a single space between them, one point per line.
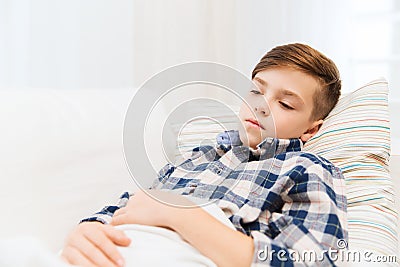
pixel 267 148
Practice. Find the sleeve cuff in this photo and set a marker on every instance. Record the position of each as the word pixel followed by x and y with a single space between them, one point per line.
pixel 104 219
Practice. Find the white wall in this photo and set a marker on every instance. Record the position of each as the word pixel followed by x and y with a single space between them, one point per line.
pixel 66 44
pixel 235 33
pixel 103 44
pixel 264 24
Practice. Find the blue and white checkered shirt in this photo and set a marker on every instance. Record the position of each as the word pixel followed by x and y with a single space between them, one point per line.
pixel 289 201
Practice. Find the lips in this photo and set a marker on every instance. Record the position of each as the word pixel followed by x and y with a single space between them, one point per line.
pixel 255 122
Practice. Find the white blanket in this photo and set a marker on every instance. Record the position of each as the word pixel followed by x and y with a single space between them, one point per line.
pixel 150 246
pixel 155 246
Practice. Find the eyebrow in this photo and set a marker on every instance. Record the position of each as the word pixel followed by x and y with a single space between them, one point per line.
pixel 282 91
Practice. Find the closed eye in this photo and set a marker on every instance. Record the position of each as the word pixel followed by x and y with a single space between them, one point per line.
pixel 286 106
pixel 255 92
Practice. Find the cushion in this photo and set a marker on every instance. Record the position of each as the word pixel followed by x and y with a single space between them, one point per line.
pixel 355 137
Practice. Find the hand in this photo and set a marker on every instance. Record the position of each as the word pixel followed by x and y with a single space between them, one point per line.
pixel 151 207
pixel 94 244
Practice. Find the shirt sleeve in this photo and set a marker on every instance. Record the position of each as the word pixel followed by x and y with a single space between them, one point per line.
pixel 195 156
pixel 310 229
pixel 105 215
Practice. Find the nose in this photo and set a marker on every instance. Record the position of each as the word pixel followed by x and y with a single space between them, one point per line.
pixel 262 108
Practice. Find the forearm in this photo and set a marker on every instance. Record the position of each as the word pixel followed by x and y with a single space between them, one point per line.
pixel 223 245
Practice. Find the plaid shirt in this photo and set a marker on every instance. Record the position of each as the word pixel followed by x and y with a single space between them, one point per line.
pixel 289 201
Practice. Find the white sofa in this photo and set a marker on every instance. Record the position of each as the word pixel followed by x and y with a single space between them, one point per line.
pixel 62 159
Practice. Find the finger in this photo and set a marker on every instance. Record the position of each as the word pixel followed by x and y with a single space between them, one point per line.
pixel 72 256
pixel 92 252
pixel 107 246
pixel 119 212
pixel 117 236
pixel 121 219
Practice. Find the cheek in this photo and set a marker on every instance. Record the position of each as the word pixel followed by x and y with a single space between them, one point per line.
pixel 244 111
pixel 289 126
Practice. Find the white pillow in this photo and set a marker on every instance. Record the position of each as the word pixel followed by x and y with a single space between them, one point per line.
pixel 356 137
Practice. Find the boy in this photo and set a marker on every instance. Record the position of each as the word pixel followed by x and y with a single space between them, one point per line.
pixel 279 198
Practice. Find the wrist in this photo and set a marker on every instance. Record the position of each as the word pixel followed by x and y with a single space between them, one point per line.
pixel 178 217
pixel 172 215
pixel 174 209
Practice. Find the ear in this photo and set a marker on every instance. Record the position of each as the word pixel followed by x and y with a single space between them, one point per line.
pixel 311 131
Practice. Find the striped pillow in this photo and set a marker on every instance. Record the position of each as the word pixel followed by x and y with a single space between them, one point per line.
pixel 355 137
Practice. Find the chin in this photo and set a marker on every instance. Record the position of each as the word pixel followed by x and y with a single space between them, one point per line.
pixel 251 142
pixel 250 136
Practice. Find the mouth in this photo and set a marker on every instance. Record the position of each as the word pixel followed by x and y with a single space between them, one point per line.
pixel 254 123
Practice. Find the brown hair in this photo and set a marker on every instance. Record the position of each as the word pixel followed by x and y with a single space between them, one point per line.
pixel 306 59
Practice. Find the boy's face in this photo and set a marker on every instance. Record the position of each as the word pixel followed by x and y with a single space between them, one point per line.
pixel 281 103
